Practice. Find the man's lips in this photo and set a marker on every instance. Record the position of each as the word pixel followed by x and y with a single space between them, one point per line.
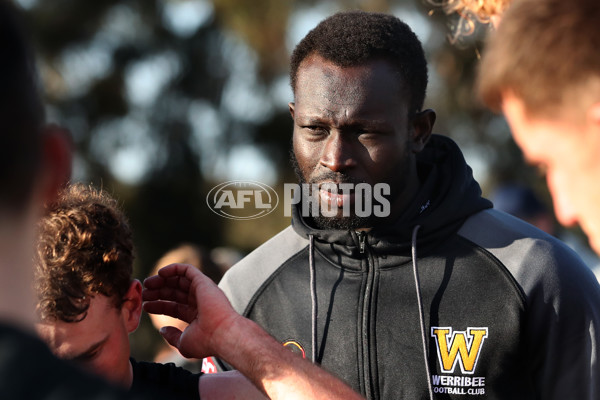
pixel 332 194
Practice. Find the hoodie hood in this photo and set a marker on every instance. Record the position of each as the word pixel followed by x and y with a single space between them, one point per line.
pixel 447 196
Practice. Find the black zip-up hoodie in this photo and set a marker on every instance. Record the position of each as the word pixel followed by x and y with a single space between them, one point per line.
pixel 498 309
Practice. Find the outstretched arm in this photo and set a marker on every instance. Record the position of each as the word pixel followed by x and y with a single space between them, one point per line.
pixel 215 329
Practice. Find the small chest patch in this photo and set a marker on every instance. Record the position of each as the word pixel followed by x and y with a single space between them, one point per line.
pixel 294 347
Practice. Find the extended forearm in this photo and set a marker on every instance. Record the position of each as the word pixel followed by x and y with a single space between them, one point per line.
pixel 278 372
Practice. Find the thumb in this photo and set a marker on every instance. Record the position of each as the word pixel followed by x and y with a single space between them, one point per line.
pixel 171 335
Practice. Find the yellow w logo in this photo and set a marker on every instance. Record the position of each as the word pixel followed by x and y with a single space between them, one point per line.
pixel 463 347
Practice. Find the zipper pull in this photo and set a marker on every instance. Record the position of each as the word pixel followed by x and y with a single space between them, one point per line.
pixel 362 238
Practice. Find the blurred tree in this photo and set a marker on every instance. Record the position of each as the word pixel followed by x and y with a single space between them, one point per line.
pixel 263 25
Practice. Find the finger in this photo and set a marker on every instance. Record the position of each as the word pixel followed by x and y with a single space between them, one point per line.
pixel 173 281
pixel 171 335
pixel 178 282
pixel 178 270
pixel 154 281
pixel 169 271
pixel 188 272
pixel 179 311
pixel 167 294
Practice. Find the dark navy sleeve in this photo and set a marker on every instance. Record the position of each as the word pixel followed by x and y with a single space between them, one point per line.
pixel 165 378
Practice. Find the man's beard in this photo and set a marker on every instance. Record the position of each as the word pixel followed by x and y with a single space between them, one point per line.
pixel 350 222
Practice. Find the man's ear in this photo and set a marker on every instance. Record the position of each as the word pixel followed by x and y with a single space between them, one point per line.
pixel 57 152
pixel 131 310
pixel 422 125
pixel 292 107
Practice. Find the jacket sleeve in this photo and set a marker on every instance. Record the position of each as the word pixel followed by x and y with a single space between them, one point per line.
pixel 244 281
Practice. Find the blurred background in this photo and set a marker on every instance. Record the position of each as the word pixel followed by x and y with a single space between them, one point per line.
pixel 167 98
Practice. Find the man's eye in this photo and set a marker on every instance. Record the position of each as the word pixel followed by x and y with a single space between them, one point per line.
pixel 368 134
pixel 365 132
pixel 86 357
pixel 315 129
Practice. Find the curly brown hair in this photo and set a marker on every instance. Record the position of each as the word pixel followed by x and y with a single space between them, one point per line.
pixel 85 247
pixel 482 10
pixel 470 12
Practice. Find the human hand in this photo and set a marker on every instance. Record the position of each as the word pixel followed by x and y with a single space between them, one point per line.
pixel 182 291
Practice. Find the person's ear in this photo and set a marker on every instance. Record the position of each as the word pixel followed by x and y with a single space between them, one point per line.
pixel 57 151
pixel 422 126
pixel 131 309
pixel 292 107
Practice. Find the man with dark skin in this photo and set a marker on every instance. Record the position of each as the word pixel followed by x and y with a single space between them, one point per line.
pixel 441 296
pixel 349 126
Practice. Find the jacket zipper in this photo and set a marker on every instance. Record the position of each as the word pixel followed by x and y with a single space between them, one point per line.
pixel 362 237
pixel 366 354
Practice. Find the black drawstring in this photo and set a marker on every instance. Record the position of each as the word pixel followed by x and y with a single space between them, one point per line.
pixel 420 304
pixel 313 297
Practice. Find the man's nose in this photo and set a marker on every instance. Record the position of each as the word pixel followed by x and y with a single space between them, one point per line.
pixel 565 212
pixel 338 153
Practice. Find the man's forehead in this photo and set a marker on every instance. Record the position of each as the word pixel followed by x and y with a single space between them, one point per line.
pixel 317 71
pixel 327 87
pixel 48 332
pixel 63 336
pixel 71 339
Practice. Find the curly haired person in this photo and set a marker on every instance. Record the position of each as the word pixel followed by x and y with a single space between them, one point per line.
pixel 88 302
